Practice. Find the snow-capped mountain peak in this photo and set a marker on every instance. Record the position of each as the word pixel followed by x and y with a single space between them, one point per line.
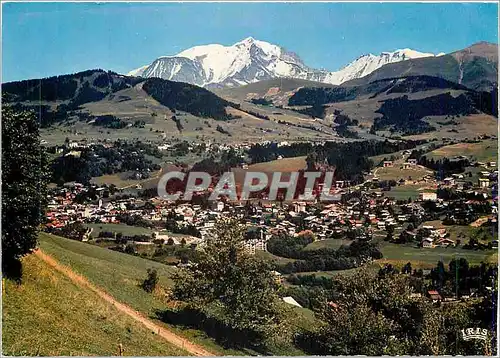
pixel 251 60
pixel 138 71
pixel 366 64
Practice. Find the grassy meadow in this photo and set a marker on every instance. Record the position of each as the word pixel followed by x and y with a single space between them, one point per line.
pixel 49 315
pixel 399 255
pixel 484 151
pixel 120 274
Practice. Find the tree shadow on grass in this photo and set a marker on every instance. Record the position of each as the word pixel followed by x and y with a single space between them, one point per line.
pixel 12 269
pixel 227 337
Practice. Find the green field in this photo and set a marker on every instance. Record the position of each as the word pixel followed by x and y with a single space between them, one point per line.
pixel 280 165
pixel 273 258
pixel 484 151
pixel 403 192
pixel 374 267
pixel 49 315
pixel 126 230
pixel 399 255
pixel 120 180
pixel 396 172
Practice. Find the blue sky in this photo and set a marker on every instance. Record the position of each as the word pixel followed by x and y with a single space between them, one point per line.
pixel 44 39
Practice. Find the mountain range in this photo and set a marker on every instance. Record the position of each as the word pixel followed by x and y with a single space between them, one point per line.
pixel 475 67
pixel 251 60
pixel 257 90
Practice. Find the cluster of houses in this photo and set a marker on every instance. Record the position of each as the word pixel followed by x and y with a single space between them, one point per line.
pixel 357 218
pixel 411 162
pixel 436 238
pixel 363 215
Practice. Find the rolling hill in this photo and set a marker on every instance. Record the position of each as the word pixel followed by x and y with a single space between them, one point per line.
pixel 445 90
pixel 95 104
pixel 113 275
pixel 49 315
pixel 278 90
pixel 62 96
pixel 413 105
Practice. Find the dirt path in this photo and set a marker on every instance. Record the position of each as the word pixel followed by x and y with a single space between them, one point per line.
pixel 171 337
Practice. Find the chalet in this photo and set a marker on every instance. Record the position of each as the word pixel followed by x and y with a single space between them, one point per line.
pixel 278 277
pixel 444 242
pixel 427 243
pixel 252 245
pixel 220 206
pixel 406 166
pixel 434 296
pixel 428 196
pixel 449 181
pixel 299 207
pixel 333 305
pixel 483 182
pixel 412 161
pixel 402 218
pixel 388 163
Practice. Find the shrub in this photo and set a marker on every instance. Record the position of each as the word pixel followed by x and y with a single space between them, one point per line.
pixel 151 281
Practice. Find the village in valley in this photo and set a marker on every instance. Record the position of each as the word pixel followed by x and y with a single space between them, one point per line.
pixel 237 180
pixel 444 219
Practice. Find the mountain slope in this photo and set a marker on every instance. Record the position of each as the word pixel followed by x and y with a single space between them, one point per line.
pixel 247 61
pixel 408 105
pixel 278 90
pixel 48 315
pixel 475 67
pixel 98 104
pixel 58 98
pixel 251 60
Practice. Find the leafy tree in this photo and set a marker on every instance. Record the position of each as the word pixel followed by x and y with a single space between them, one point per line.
pixel 24 179
pixel 150 282
pixel 368 315
pixel 406 268
pixel 225 278
pixel 76 231
pixel 130 249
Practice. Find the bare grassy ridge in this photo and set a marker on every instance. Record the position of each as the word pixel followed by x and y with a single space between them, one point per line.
pixel 49 315
pixel 119 275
